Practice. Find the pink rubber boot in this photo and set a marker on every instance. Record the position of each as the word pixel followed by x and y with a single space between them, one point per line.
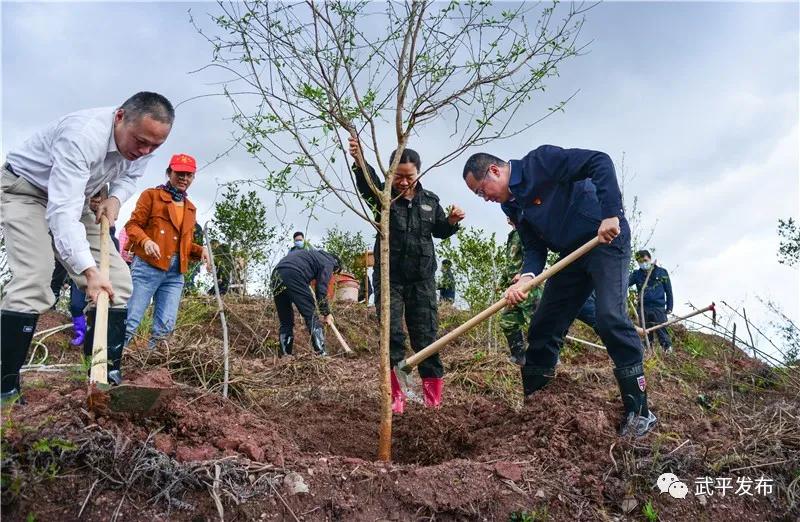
pixel 432 389
pixel 398 396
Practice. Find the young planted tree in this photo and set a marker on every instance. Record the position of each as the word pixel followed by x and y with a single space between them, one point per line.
pixel 350 247
pixel 789 248
pixel 305 76
pixel 478 262
pixel 240 222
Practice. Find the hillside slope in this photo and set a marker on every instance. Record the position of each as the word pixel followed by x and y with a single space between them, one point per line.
pixel 311 424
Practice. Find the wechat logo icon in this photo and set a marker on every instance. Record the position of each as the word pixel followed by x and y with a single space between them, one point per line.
pixel 669 483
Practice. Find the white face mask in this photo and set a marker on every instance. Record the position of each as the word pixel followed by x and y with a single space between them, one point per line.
pixel 645 265
pixel 299 244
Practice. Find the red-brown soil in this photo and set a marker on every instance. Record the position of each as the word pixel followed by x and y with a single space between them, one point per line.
pixel 310 423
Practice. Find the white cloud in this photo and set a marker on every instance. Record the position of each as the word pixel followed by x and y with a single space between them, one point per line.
pixel 702 98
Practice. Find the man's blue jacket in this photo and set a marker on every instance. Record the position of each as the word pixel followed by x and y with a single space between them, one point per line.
pixel 658 293
pixel 559 198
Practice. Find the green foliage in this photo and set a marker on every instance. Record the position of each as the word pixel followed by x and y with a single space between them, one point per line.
pixel 696 346
pixel 240 221
pixel 52 445
pixel 478 262
pixel 789 248
pixel 649 512
pixel 788 332
pixel 537 515
pixel 349 246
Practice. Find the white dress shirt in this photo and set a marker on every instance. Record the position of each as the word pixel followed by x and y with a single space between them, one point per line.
pixel 71 159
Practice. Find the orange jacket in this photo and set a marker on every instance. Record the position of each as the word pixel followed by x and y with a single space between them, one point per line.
pixel 155 218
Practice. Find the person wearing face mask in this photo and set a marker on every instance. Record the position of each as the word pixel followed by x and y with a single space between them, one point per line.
pixel 416 217
pixel 45 184
pixel 161 233
pixel 299 242
pixel 657 296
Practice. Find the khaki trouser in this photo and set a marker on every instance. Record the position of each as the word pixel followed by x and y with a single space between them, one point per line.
pixel 30 250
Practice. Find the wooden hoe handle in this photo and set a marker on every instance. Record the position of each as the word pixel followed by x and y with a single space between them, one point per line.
pixel 99 372
pixel 437 345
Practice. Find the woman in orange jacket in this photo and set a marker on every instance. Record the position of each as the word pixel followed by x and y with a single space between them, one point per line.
pixel 160 233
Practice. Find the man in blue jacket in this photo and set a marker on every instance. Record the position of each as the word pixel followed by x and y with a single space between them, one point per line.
pixel 657 296
pixel 560 199
pixel 291 280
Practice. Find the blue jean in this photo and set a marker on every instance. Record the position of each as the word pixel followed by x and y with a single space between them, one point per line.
pixel 604 270
pixel 163 288
pixel 77 300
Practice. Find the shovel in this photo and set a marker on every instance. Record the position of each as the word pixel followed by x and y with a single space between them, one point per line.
pixel 126 398
pixel 404 367
pixel 338 335
pixel 711 308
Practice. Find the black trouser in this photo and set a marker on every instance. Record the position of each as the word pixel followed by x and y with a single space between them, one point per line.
pixel 417 303
pixel 605 270
pixel 289 286
pixel 57 279
pixel 652 317
pixel 588 313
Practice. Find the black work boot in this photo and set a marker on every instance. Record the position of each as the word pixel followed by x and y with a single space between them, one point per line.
pixel 535 378
pixel 638 419
pixel 16 333
pixel 117 321
pixel 115 341
pixel 287 342
pixel 517 346
pixel 318 340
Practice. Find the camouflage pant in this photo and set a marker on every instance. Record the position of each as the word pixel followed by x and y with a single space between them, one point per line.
pixel 516 318
pixel 416 302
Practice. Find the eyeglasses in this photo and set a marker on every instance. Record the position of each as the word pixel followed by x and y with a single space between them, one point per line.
pixel 480 190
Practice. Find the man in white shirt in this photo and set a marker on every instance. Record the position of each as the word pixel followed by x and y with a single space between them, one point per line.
pixel 44 190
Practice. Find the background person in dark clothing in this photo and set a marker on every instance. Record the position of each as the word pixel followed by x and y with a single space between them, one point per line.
pixel 657 296
pixel 290 284
pixel 223 262
pixel 560 199
pixel 416 217
pixel 447 285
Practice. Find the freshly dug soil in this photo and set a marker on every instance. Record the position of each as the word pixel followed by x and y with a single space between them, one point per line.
pixel 300 440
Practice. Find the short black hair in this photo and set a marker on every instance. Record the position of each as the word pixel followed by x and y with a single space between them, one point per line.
pixel 408 156
pixel 446 262
pixel 298 233
pixel 479 163
pixel 642 254
pixel 337 261
pixel 149 104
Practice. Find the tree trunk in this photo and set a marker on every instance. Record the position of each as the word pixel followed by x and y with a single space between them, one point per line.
pixel 385 436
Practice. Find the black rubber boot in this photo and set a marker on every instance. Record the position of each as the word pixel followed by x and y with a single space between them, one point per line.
pixel 287 342
pixel 117 318
pixel 16 333
pixel 115 342
pixel 517 346
pixel 318 340
pixel 638 419
pixel 535 378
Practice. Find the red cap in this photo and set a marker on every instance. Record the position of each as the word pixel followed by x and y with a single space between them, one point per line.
pixel 182 163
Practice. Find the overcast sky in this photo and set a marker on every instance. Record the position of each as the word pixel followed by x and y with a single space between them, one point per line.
pixel 701 98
